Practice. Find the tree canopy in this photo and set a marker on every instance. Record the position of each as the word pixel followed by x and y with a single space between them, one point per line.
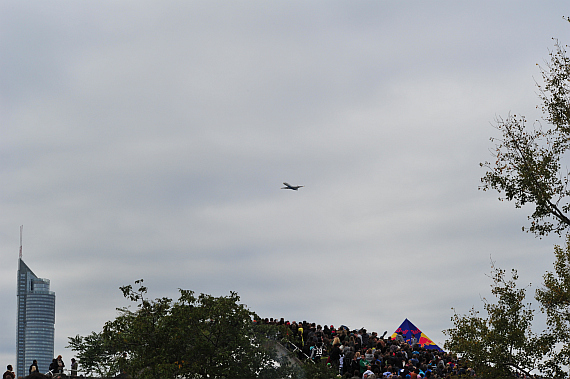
pixel 194 337
pixel 501 343
pixel 527 167
pixel 554 299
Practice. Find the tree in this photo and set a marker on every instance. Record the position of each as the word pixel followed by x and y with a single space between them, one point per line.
pixel 527 167
pixel 193 337
pixel 95 354
pixel 502 343
pixel 528 170
pixel 554 298
pixel 319 371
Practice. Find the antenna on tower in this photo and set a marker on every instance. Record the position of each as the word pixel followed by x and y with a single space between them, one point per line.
pixel 21 229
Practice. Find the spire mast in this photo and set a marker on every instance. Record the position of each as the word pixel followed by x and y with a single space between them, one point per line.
pixel 21 228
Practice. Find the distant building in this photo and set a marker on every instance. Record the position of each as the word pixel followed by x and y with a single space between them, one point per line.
pixel 36 321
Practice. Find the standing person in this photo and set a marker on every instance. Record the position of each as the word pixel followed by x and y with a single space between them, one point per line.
pixel 364 365
pixel 400 337
pixel 53 366
pixel 335 354
pixel 317 352
pixel 60 364
pixel 413 340
pixel 354 366
pixel 369 355
pixel 9 374
pixel 34 366
pixel 73 367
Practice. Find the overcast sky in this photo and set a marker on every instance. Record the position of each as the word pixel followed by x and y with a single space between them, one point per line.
pixel 147 139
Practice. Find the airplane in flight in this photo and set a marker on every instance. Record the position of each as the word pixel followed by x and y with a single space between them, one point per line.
pixel 289 186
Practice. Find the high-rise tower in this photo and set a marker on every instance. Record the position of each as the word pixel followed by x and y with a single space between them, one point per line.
pixel 36 321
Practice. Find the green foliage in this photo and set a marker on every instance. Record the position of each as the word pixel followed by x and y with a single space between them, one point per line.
pixel 528 170
pixel 193 337
pixel 99 358
pixel 527 167
pixel 319 371
pixel 502 342
pixel 555 93
pixel 554 298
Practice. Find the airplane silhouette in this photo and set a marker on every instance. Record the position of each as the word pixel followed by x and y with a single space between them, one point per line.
pixel 289 186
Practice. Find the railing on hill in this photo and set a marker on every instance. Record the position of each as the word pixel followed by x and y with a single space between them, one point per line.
pixel 274 334
pixel 294 349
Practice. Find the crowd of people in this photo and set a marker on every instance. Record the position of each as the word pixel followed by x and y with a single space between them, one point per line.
pixel 56 367
pixel 358 354
pixel 354 354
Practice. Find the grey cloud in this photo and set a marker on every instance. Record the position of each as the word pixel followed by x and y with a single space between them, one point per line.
pixel 150 140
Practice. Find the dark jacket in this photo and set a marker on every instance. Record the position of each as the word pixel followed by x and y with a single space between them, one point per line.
pixel 32 368
pixel 53 366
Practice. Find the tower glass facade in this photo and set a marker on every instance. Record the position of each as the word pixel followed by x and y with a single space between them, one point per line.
pixel 36 321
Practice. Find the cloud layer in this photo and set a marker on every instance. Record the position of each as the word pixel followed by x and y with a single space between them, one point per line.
pixel 150 140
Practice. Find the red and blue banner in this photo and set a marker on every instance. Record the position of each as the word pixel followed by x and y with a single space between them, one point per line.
pixel 409 330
